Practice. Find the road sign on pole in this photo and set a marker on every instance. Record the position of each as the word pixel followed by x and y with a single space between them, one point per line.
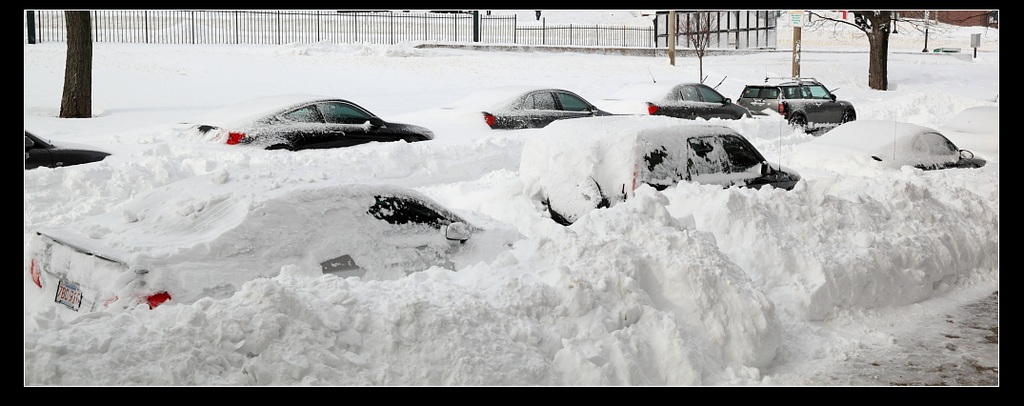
pixel 796 18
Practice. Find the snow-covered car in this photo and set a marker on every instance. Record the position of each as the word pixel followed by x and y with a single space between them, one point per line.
pixel 893 143
pixel 207 235
pixel 518 107
pixel 299 121
pixel 40 152
pixel 576 166
pixel 673 99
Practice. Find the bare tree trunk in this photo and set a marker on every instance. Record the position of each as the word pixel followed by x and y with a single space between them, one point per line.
pixel 876 24
pixel 76 101
pixel 878 62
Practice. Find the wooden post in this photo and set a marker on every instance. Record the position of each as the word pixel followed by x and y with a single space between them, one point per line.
pixel 672 37
pixel 796 52
pixel 796 19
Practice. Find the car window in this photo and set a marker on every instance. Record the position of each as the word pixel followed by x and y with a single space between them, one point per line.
pixel 760 93
pixel 307 114
pixel 705 156
pixel 572 103
pixel 539 101
pixel 403 210
pixel 710 95
pixel 817 92
pixel 688 93
pixel 742 155
pixel 793 92
pixel 934 144
pixel 725 153
pixel 342 113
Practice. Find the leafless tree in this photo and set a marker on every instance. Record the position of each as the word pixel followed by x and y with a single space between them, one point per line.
pixel 76 102
pixel 697 27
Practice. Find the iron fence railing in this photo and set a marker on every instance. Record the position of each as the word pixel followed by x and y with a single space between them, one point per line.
pixel 278 27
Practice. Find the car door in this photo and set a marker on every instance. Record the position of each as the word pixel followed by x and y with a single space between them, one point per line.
pixel 723 159
pixel 573 106
pixel 351 124
pixel 304 128
pixel 715 103
pixel 684 101
pixel 540 108
pixel 824 109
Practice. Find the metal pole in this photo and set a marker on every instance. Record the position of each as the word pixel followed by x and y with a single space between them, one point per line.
pixel 30 17
pixel 476 24
pixel 925 32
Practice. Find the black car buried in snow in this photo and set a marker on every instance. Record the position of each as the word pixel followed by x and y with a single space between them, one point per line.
pixel 518 107
pixel 674 99
pixel 45 153
pixel 296 122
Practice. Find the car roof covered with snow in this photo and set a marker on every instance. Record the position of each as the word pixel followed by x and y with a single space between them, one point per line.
pixel 495 99
pixel 249 111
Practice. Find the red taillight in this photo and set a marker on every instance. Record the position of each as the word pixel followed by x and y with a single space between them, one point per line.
pixel 235 138
pixel 33 270
pixel 156 299
pixel 489 119
pixel 651 109
pixel 782 108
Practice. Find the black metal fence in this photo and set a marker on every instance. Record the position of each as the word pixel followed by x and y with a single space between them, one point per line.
pixel 731 29
pixel 277 27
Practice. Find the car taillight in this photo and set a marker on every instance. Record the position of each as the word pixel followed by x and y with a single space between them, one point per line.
pixel 156 299
pixel 651 109
pixel 782 108
pixel 235 137
pixel 33 270
pixel 489 119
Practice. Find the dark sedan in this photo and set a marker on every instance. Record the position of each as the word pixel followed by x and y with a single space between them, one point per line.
pixel 45 153
pixel 298 122
pixel 680 100
pixel 518 107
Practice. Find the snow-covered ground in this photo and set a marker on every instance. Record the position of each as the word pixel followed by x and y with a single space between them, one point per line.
pixel 861 275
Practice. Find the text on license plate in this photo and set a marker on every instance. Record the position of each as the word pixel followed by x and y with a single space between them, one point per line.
pixel 69 294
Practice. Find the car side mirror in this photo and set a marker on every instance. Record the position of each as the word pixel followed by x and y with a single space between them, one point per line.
pixel 376 122
pixel 28 143
pixel 457 231
pixel 727 101
pixel 766 168
pixel 832 96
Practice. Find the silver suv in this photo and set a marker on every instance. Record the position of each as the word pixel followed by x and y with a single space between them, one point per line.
pixel 803 102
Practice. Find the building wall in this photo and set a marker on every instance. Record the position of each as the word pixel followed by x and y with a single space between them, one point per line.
pixel 963 18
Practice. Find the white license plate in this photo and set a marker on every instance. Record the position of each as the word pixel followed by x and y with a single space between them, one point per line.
pixel 69 294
